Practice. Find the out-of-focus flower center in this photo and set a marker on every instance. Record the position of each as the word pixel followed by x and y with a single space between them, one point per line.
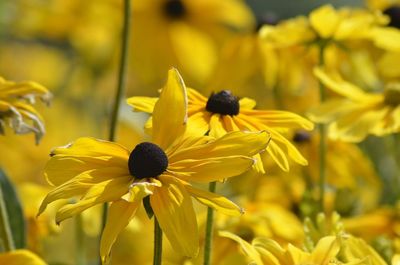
pixel 392 94
pixel 223 103
pixel 174 9
pixel 266 19
pixel 147 160
pixel 301 137
pixel 394 13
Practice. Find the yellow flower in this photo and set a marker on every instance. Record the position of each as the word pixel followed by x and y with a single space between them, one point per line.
pixel 223 112
pixel 16 101
pixel 95 171
pixel 266 251
pixel 21 257
pixel 183 33
pixel 326 25
pixel 360 113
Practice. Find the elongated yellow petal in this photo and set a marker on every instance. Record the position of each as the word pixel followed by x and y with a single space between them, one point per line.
pixel 20 257
pixel 272 247
pixel 107 191
pixel 325 20
pixel 248 249
pixel 119 215
pixel 217 129
pixel 87 146
pixel 60 169
pixel 279 119
pixel 144 104
pixel 342 87
pixel 326 249
pixel 218 202
pixel 173 208
pixel 231 144
pixel 211 169
pixel 247 103
pixel 278 155
pixel 170 111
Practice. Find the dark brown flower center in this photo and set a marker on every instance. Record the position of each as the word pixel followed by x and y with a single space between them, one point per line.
pixel 147 160
pixel 301 137
pixel 394 13
pixel 174 9
pixel 223 103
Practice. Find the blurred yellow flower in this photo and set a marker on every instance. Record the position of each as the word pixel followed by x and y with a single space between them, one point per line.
pixel 264 251
pixel 20 257
pixel 16 101
pixel 326 25
pixel 185 34
pixel 96 171
pixel 360 113
pixel 223 112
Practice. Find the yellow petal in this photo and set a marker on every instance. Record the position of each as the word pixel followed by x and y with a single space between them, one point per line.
pixel 326 249
pixel 386 38
pixel 210 169
pixel 196 52
pixel 217 129
pixel 87 146
pixel 20 257
pixel 278 155
pixel 247 103
pixel 141 189
pixel 280 119
pixel 60 169
pixel 173 208
pixel 170 111
pixel 231 144
pixel 144 104
pixel 270 246
pixel 325 20
pixel 215 201
pixel 342 87
pixel 119 215
pixel 107 191
pixel 248 249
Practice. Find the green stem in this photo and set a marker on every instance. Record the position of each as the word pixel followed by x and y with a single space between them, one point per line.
pixel 157 256
pixel 120 85
pixel 322 142
pixel 209 229
pixel 5 230
pixel 80 241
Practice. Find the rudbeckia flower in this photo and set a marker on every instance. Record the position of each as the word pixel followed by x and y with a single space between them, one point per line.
pixel 264 251
pixel 327 25
pixel 359 113
pixel 16 101
pixel 183 33
pixel 19 257
pixel 95 171
pixel 223 112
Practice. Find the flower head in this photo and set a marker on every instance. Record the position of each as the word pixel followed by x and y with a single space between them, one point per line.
pixel 223 112
pixel 95 171
pixel 15 107
pixel 359 113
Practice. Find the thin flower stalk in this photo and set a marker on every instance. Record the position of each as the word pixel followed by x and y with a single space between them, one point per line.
pixel 5 230
pixel 209 228
pixel 120 86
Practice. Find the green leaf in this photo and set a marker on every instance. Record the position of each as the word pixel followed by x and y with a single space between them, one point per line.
pixel 14 211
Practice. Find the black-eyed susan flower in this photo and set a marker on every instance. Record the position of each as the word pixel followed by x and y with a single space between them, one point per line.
pixel 184 33
pixel 95 171
pixel 223 112
pixel 327 25
pixel 359 113
pixel 16 109
pixel 264 251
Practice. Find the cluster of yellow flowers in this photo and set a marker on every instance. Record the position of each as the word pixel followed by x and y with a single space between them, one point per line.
pixel 292 124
